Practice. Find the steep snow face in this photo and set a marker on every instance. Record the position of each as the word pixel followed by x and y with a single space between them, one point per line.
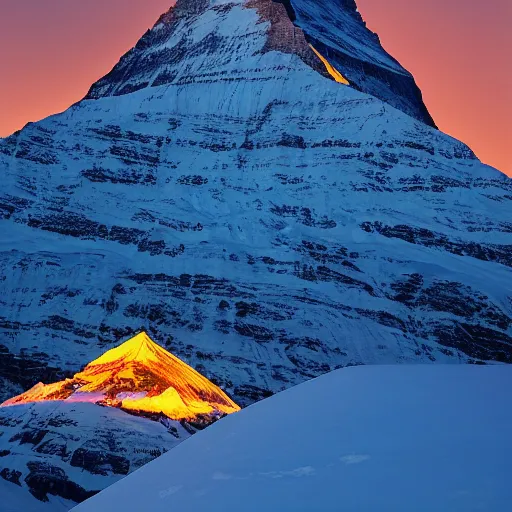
pixel 56 454
pixel 337 30
pixel 261 221
pixel 391 438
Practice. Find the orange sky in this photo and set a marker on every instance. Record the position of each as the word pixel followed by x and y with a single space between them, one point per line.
pixel 458 51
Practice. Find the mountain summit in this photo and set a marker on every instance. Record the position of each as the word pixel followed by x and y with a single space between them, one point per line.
pixel 329 31
pixel 139 376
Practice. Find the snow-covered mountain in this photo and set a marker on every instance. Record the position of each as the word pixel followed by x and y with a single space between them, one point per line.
pixel 220 190
pixel 334 28
pixel 395 439
pixel 226 191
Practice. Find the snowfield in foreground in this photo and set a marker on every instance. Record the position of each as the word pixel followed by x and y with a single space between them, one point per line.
pixel 381 438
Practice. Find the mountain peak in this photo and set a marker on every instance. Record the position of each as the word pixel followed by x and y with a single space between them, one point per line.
pixel 168 55
pixel 140 376
pixel 140 348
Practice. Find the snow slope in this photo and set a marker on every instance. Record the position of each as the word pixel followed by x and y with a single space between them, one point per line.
pixel 402 438
pixel 261 221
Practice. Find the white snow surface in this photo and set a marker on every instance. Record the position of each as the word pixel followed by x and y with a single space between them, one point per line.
pixel 381 438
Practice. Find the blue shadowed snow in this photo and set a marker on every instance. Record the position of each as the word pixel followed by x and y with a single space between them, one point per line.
pixel 388 438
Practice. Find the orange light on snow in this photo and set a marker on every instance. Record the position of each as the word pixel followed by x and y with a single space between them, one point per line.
pixel 139 376
pixel 330 68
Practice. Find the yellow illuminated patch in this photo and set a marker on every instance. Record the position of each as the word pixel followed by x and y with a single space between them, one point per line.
pixel 330 68
pixel 139 376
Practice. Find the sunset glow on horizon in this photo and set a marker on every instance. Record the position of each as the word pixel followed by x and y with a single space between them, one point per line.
pixel 457 50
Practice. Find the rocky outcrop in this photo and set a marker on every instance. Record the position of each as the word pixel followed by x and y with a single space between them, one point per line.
pixel 11 475
pixel 283 35
pixel 44 479
pixel 99 462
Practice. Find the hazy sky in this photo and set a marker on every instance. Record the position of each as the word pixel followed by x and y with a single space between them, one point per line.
pixel 458 51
